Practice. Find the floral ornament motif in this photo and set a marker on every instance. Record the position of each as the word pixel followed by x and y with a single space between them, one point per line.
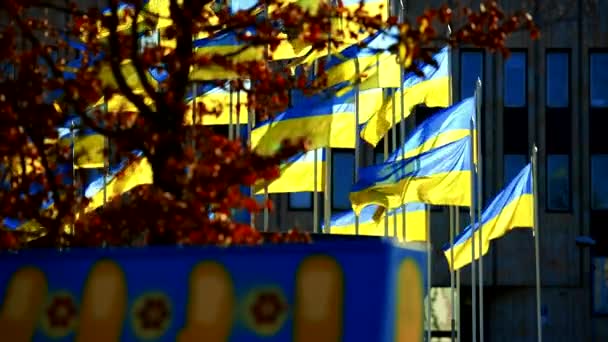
pixel 60 315
pixel 266 310
pixel 151 315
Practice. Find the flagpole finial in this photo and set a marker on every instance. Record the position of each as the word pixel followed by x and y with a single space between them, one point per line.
pixel 479 81
pixel 449 30
pixel 534 148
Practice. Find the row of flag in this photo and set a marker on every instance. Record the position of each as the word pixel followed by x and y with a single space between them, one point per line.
pixel 434 166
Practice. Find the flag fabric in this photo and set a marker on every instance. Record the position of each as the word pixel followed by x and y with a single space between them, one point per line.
pixel 217 100
pixel 432 90
pixel 368 63
pixel 128 71
pixel 122 178
pixel 297 174
pixel 415 219
pixel 325 122
pixel 439 177
pixel 230 44
pixel 447 126
pixel 88 146
pixel 512 208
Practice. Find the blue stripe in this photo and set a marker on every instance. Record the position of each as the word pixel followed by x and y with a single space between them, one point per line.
pixel 457 117
pixel 519 186
pixel 452 157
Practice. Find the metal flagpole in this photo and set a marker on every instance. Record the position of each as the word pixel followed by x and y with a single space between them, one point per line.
pixel 328 163
pixel 230 113
pixel 429 271
pixel 479 202
pixel 386 213
pixel 457 313
pixel 472 220
pixel 315 198
pixel 394 141
pixel 73 137
pixel 357 142
pixel 452 210
pixel 402 14
pixel 105 158
pixel 536 232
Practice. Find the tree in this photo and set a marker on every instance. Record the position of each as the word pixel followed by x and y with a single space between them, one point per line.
pixel 197 173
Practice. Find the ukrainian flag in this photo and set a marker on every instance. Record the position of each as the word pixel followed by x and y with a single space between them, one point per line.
pixel 230 44
pixel 326 122
pixel 447 126
pixel 127 69
pixel 512 208
pixel 124 177
pixel 297 174
pixel 368 60
pixel 415 219
pixel 433 90
pixel 88 145
pixel 216 101
pixel 439 177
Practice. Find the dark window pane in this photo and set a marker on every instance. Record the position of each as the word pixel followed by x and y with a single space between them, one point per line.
pixel 300 200
pixel 558 79
pixel 513 163
pixel 599 79
pixel 599 181
pixel 515 80
pixel 558 182
pixel 471 68
pixel 343 169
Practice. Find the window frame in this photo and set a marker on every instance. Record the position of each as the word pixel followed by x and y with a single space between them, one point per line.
pixel 291 207
pixel 463 51
pixel 568 52
pixel 568 208
pixel 523 51
pixel 593 51
pixel 334 153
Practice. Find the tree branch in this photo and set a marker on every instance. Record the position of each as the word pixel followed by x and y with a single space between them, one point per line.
pixel 141 73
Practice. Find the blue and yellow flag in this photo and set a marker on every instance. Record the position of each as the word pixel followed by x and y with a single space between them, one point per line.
pixel 367 62
pixel 325 122
pixel 124 177
pixel 512 208
pixel 88 147
pixel 415 220
pixel 297 174
pixel 432 90
pixel 219 103
pixel 440 177
pixel 447 126
pixel 229 44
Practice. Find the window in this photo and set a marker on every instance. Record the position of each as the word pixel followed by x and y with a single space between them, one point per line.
pixel 300 200
pixel 599 79
pixel 512 164
pixel 343 170
pixel 515 86
pixel 557 80
pixel 558 129
pixel 558 182
pixel 599 182
pixel 471 68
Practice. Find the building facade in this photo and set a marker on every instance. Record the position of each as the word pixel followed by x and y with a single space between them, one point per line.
pixel 551 93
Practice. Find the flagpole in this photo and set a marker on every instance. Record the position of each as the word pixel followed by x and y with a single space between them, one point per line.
pixel 105 157
pixel 457 313
pixel 357 142
pixel 230 113
pixel 386 213
pixel 394 141
pixel 536 232
pixel 429 271
pixel 403 128
pixel 479 204
pixel 73 137
pixel 315 198
pixel 328 163
pixel 250 123
pixel 472 220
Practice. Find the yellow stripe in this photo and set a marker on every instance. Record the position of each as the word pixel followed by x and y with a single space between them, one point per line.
pixel 335 131
pixel 219 102
pixel 297 177
pixel 415 222
pixel 138 173
pixel 516 214
pixel 433 93
pixel 449 188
